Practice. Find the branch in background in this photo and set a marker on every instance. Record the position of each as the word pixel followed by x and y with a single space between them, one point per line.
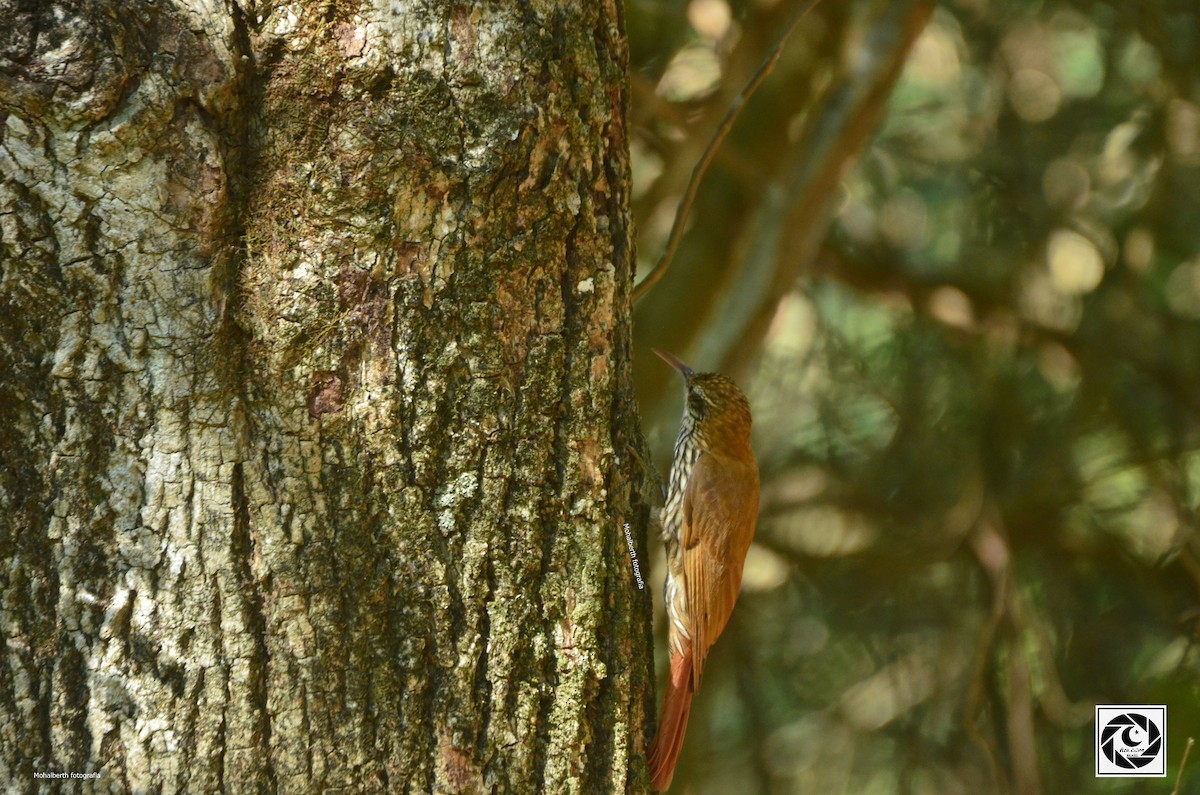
pixel 726 124
pixel 1183 763
pixel 993 554
pixel 794 216
pixel 717 317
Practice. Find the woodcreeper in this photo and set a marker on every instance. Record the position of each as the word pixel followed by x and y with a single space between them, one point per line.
pixel 707 523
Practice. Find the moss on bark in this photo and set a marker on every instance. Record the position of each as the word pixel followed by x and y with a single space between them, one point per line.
pixel 320 459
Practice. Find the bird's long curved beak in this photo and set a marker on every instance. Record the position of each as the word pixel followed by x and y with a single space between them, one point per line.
pixel 673 360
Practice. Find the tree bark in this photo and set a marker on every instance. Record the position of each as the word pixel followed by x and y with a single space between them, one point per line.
pixel 315 404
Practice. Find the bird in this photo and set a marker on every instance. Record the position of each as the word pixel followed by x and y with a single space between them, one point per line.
pixel 708 521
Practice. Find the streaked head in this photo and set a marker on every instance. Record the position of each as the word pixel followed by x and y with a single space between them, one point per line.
pixel 716 405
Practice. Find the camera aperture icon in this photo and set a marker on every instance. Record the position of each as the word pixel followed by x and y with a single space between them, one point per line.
pixel 1131 741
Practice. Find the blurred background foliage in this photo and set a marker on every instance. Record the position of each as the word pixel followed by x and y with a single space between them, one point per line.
pixel 953 252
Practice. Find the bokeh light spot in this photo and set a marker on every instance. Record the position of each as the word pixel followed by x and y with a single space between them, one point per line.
pixel 694 72
pixel 711 19
pixel 1034 95
pixel 1183 289
pixel 1076 266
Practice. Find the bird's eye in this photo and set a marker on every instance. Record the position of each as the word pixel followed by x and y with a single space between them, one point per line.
pixel 696 403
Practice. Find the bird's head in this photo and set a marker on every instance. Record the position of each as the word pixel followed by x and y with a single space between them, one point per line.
pixel 716 406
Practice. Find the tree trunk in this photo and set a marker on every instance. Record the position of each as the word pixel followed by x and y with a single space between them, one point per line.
pixel 315 405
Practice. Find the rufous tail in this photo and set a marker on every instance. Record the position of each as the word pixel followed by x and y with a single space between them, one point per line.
pixel 664 751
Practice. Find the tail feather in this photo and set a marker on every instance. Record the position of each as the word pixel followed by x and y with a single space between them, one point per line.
pixel 664 751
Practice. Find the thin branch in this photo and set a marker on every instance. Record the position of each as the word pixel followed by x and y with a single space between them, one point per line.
pixel 1179 776
pixel 719 135
pixel 993 553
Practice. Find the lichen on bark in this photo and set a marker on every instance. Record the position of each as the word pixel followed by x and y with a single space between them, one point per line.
pixel 315 404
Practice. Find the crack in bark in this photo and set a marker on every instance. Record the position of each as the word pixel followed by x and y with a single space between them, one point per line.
pixel 242 546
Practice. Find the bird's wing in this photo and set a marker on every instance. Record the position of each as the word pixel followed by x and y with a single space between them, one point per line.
pixel 720 508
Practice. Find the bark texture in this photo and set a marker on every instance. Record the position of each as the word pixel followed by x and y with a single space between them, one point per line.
pixel 315 414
